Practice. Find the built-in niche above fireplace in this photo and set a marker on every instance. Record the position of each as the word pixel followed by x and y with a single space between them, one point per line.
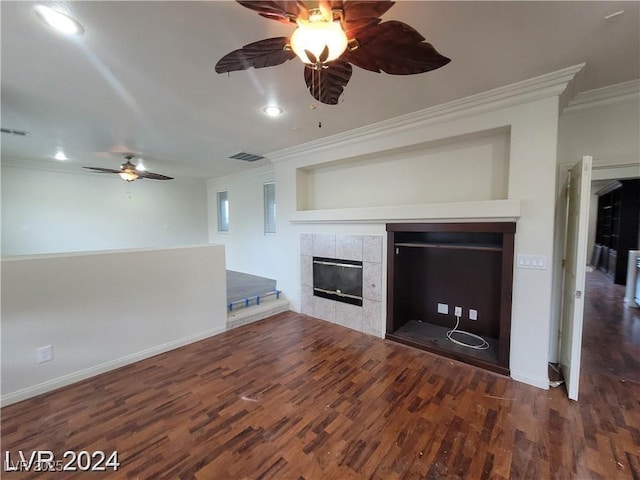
pixel 435 267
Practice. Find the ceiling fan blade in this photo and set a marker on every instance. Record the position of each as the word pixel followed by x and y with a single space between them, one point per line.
pixel 281 11
pixel 264 53
pixel 353 27
pixel 327 84
pixel 356 9
pixel 102 170
pixel 153 176
pixel 396 48
pixel 331 5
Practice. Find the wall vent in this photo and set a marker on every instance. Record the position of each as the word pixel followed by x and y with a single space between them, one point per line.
pixel 11 131
pixel 247 157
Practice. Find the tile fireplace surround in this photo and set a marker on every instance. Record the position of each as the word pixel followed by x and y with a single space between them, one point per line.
pixel 364 248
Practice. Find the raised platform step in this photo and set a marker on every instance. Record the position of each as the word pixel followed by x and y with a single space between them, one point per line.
pixel 268 307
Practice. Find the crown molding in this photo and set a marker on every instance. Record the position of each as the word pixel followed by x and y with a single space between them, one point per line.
pixel 28 164
pixel 605 95
pixel 240 176
pixel 537 88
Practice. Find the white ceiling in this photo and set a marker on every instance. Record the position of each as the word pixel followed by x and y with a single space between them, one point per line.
pixel 141 79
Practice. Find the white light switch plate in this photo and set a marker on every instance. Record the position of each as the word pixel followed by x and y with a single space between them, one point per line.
pixel 537 262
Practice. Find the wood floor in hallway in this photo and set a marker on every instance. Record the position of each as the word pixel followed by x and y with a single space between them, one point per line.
pixel 611 332
pixel 293 397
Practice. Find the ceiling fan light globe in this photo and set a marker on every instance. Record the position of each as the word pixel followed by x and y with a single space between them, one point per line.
pixel 128 176
pixel 315 36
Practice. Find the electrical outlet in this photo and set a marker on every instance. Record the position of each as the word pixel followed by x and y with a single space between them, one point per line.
pixel 443 308
pixel 458 311
pixel 44 354
pixel 473 314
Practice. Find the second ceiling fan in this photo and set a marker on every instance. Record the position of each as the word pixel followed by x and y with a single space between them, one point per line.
pixel 130 172
pixel 331 38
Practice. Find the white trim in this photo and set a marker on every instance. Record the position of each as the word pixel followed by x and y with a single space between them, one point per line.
pixel 87 253
pixel 605 95
pixel 487 210
pixel 608 172
pixel 543 86
pixel 233 177
pixel 57 167
pixel 25 393
pixel 540 382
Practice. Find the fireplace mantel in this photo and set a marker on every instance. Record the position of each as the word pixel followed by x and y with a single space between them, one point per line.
pixel 487 210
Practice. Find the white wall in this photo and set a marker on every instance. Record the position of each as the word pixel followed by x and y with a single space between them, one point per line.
pixel 47 212
pixel 610 131
pixel 248 248
pixel 606 131
pixel 102 310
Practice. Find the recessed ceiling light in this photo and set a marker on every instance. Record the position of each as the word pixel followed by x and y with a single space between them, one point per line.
pixel 272 110
pixel 60 156
pixel 58 20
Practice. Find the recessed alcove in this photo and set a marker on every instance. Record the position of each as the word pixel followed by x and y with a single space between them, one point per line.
pixel 465 168
pixel 467 265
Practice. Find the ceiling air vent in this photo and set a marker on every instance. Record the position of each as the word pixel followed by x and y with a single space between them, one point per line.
pixel 247 157
pixel 22 133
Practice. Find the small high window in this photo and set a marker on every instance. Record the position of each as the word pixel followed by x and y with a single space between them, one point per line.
pixel 223 211
pixel 269 207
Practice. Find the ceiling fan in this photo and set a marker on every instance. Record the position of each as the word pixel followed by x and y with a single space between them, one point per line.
pixel 130 172
pixel 332 36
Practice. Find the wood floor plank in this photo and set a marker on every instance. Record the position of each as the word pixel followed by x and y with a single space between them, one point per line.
pixel 293 397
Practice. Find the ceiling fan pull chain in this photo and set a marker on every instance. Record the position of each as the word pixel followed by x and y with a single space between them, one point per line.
pixel 320 94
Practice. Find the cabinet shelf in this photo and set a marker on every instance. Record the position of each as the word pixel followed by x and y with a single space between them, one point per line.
pixel 452 246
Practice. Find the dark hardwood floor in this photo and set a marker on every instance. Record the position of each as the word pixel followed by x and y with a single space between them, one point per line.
pixel 611 331
pixel 293 397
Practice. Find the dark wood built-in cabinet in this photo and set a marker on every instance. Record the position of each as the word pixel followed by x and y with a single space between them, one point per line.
pixel 617 228
pixel 469 265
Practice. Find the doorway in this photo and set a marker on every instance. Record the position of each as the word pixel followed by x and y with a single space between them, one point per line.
pixel 611 334
pixel 575 339
pixel 611 329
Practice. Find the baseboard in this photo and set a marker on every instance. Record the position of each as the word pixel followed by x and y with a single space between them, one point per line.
pixel 540 382
pixel 49 385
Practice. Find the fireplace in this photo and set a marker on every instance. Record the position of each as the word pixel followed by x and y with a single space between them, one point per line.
pixel 339 280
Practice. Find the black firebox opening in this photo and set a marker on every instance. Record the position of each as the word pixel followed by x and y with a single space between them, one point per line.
pixel 339 280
